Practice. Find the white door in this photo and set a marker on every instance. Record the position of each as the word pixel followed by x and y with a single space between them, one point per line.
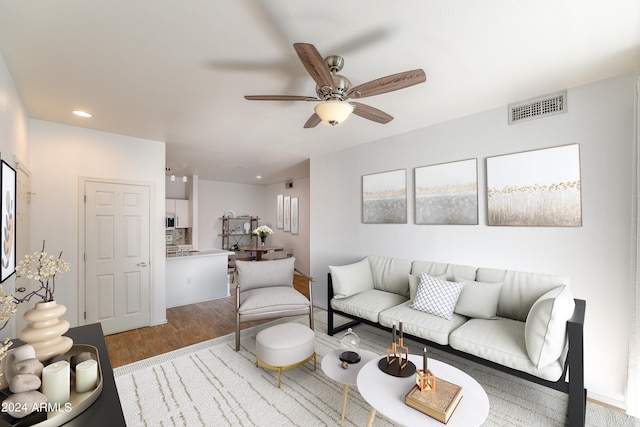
pixel 117 251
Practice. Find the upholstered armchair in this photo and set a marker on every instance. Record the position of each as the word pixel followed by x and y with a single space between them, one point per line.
pixel 264 290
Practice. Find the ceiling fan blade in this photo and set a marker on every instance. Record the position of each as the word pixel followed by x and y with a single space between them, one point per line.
pixel 371 113
pixel 313 121
pixel 388 84
pixel 314 63
pixel 279 98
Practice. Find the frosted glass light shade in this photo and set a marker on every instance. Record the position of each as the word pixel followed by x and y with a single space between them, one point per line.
pixel 333 112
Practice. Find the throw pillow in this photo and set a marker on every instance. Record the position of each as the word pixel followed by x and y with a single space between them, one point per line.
pixel 414 282
pixel 253 274
pixel 436 296
pixel 351 279
pixel 546 326
pixel 478 299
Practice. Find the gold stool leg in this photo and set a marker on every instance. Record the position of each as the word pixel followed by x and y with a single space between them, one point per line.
pixel 279 372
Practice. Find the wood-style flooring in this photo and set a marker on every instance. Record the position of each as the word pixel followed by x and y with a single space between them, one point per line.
pixel 186 325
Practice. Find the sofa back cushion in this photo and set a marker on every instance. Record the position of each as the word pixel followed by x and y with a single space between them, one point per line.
pixel 390 274
pixel 519 290
pixel 253 274
pixel 351 279
pixel 444 271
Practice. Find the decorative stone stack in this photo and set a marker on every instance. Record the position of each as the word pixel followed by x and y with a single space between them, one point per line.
pixel 24 385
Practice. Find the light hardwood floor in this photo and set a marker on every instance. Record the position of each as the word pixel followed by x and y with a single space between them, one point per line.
pixel 186 325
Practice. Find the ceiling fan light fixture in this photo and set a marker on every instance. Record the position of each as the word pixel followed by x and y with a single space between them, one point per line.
pixel 333 111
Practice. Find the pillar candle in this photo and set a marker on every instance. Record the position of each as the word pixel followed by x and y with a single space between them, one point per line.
pixel 24 352
pixel 401 329
pixel 424 361
pixel 86 376
pixel 56 382
pixel 393 333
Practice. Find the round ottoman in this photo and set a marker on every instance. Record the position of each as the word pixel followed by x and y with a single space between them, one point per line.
pixel 285 346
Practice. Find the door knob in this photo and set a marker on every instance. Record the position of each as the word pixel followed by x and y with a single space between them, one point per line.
pixel 142 264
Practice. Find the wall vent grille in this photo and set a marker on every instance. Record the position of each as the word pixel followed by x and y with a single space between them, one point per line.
pixel 543 106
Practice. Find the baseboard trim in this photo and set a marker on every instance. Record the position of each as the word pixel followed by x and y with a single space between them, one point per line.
pixel 607 402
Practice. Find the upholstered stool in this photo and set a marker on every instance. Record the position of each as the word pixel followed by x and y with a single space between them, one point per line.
pixel 285 346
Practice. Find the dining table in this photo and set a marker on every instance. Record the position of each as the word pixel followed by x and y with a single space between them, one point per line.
pixel 260 249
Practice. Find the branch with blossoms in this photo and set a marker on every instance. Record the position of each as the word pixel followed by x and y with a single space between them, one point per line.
pixel 43 268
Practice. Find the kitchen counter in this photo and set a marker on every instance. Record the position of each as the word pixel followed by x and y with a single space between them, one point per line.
pixel 196 276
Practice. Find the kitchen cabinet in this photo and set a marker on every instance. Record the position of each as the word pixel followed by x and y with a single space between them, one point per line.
pixel 181 210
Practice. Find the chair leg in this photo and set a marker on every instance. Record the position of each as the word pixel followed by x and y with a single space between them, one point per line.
pixel 237 333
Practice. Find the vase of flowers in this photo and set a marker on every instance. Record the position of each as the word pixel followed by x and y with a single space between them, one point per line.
pixel 45 330
pixel 263 231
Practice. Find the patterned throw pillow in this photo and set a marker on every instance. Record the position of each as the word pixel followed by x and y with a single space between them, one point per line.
pixel 436 296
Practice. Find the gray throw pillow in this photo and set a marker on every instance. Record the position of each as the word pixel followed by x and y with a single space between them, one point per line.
pixel 436 296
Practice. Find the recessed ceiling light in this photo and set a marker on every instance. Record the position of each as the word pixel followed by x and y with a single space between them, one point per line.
pixel 81 113
pixel 259 177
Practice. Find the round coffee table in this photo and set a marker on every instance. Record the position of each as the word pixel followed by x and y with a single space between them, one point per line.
pixel 332 367
pixel 385 394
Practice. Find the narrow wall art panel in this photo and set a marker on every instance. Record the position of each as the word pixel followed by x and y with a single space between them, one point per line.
pixel 8 250
pixel 384 197
pixel 280 211
pixel 287 213
pixel 447 193
pixel 535 188
pixel 294 215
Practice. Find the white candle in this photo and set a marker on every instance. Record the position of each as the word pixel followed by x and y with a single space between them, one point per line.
pixel 24 352
pixel 56 382
pixel 86 376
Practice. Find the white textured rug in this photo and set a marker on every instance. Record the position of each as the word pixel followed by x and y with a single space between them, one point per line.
pixel 210 384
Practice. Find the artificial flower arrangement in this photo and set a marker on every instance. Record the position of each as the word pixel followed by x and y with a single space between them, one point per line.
pixel 43 268
pixel 263 231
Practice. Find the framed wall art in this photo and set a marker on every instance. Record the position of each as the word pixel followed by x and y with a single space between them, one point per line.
pixel 384 197
pixel 280 211
pixel 8 222
pixel 535 188
pixel 287 213
pixel 294 215
pixel 447 193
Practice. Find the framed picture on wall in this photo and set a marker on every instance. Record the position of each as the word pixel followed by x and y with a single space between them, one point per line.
pixel 8 222
pixel 535 188
pixel 280 211
pixel 447 193
pixel 294 215
pixel 287 213
pixel 384 197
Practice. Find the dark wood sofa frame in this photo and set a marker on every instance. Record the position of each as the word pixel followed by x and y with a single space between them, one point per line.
pixel 571 382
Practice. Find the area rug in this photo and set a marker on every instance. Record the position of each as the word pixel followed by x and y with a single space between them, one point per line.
pixel 210 384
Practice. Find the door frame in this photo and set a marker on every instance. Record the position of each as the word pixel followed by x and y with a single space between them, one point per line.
pixel 82 180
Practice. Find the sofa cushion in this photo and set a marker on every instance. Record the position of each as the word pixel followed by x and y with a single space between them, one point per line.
pixel 390 274
pixel 501 341
pixel 436 296
pixel 546 326
pixel 445 271
pixel 367 304
pixel 351 279
pixel 478 299
pixel 251 274
pixel 519 290
pixel 421 324
pixel 272 300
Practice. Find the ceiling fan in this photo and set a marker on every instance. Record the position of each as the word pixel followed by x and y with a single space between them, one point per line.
pixel 334 91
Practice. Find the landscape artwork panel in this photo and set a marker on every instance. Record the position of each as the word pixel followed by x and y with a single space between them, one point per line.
pixel 447 193
pixel 384 197
pixel 535 188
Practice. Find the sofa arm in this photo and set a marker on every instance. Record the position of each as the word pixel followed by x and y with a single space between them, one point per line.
pixel 575 360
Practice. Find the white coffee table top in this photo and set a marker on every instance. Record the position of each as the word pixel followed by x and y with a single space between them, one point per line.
pixel 332 366
pixel 385 393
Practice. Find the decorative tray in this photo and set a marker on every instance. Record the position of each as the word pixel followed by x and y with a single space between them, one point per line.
pixel 79 401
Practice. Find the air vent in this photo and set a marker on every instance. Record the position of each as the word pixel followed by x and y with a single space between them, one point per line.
pixel 542 106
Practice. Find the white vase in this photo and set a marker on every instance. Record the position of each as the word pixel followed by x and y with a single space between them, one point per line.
pixel 45 330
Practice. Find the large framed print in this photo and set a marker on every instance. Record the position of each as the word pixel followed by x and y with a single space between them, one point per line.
pixel 535 188
pixel 447 193
pixel 8 222
pixel 384 197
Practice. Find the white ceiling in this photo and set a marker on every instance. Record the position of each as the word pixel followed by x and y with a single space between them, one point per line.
pixel 176 71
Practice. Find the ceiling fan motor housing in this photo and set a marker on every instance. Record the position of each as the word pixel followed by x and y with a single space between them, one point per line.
pixel 341 86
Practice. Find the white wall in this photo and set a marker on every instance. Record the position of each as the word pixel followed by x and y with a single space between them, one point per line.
pixel 60 156
pixel 595 256
pixel 14 144
pixel 298 242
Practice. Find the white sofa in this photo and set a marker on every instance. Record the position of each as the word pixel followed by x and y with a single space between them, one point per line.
pixel 527 324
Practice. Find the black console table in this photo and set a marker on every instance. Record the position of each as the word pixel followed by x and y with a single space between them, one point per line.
pixel 106 410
